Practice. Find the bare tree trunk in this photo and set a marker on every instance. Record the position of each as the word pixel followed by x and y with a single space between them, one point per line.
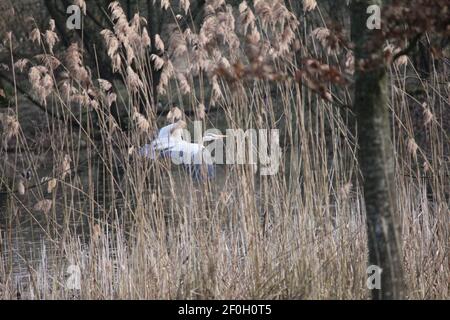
pixel 376 154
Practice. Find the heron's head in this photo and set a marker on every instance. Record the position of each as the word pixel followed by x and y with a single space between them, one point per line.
pixel 213 137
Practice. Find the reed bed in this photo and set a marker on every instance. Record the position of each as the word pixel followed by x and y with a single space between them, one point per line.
pixel 134 228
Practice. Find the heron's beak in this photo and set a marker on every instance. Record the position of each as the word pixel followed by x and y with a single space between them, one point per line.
pixel 213 137
pixel 217 137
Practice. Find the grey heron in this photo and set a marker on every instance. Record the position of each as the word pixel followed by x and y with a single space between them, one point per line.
pixel 194 156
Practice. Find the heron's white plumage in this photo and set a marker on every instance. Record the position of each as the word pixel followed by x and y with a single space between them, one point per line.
pixel 170 143
pixel 168 137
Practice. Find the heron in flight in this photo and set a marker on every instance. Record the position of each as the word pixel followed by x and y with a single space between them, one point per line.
pixel 194 156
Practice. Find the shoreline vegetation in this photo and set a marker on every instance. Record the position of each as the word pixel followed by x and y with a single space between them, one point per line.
pixel 83 217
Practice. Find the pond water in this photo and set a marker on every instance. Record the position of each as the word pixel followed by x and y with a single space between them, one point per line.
pixel 29 238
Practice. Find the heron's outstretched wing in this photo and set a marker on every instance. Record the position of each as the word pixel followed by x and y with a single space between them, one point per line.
pixel 147 151
pixel 173 130
pixel 166 131
pixel 168 137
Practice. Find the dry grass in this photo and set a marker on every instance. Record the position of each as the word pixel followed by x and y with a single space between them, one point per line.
pixel 142 229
